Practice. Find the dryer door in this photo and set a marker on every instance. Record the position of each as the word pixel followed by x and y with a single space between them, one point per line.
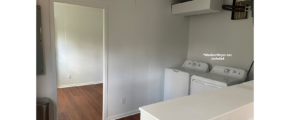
pixel 199 87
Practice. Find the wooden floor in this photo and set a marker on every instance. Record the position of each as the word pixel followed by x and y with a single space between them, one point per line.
pixel 83 103
pixel 133 117
pixel 80 103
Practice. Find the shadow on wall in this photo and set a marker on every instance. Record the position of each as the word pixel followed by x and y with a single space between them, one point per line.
pixel 179 1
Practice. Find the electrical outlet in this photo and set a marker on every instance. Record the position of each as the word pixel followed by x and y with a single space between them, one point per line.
pixel 69 76
pixel 123 100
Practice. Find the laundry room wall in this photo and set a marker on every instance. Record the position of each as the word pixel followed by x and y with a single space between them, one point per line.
pixel 217 33
pixel 143 39
pixel 79 45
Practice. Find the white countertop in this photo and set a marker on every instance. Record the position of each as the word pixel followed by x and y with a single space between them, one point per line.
pixel 203 106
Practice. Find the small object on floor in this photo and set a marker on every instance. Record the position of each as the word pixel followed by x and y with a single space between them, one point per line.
pixel 42 108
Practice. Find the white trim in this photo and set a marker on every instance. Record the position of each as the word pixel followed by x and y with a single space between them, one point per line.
pixel 105 64
pixel 79 84
pixel 105 57
pixel 123 115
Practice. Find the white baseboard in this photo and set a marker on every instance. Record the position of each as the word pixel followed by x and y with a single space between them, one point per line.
pixel 123 115
pixel 79 84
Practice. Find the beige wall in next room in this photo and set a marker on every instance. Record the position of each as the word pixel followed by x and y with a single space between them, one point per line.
pixel 79 44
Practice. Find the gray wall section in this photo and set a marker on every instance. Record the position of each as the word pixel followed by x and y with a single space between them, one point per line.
pixel 217 33
pixel 144 39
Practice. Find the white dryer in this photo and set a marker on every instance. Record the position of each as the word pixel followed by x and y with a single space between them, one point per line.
pixel 177 79
pixel 218 77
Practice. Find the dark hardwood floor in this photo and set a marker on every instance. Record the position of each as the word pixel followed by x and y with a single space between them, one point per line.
pixel 80 103
pixel 133 117
pixel 83 103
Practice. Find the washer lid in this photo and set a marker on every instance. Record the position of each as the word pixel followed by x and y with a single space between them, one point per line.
pixel 215 79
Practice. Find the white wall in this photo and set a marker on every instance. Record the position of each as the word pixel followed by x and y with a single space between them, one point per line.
pixel 44 82
pixel 217 33
pixel 143 39
pixel 79 44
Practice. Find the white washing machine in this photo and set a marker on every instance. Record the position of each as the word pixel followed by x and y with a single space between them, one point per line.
pixel 177 80
pixel 218 77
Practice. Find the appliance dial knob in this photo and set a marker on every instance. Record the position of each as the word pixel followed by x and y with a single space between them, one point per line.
pixel 227 71
pixel 234 72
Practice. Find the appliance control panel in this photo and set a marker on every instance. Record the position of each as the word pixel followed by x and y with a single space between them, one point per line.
pixel 229 71
pixel 196 65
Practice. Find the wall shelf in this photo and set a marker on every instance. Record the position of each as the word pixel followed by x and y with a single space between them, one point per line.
pixel 197 7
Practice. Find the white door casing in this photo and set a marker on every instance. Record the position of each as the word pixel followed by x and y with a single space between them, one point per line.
pixel 105 50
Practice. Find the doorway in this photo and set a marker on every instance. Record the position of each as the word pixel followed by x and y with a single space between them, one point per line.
pixel 79 38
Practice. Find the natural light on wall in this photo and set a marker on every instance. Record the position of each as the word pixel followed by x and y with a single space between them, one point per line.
pixel 79 44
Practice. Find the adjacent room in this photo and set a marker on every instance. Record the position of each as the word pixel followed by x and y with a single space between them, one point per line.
pixel 145 59
pixel 79 39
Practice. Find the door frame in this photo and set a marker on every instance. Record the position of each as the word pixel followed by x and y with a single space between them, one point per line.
pixel 105 51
